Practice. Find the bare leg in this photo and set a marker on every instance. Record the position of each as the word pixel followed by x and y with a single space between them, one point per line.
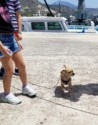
pixel 19 62
pixel 8 66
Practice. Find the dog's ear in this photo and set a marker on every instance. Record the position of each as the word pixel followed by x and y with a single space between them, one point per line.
pixel 62 72
pixel 64 66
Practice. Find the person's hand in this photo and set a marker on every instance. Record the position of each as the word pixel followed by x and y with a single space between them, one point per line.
pixel 18 36
pixel 20 46
pixel 6 52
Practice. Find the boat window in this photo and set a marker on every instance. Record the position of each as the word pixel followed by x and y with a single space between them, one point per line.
pixel 38 25
pixel 54 26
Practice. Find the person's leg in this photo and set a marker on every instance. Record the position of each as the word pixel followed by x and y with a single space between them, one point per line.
pixel 7 96
pixel 16 70
pixel 1 72
pixel 8 66
pixel 19 61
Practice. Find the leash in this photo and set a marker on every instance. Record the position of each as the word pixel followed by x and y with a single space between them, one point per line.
pixel 57 83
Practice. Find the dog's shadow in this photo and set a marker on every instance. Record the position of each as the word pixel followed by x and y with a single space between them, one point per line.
pixel 77 91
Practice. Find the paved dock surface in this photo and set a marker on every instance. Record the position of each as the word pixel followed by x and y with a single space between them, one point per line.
pixel 45 54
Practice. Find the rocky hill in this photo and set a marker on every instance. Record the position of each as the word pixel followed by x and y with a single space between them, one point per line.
pixel 32 7
pixel 64 10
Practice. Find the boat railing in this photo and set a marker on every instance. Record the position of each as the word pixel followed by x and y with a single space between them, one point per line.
pixel 79 28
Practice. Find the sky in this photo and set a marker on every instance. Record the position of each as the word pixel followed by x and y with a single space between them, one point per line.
pixel 88 3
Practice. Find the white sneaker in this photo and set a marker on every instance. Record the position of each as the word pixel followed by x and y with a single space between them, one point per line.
pixel 29 91
pixel 10 98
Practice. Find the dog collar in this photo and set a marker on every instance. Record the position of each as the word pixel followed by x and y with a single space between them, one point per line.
pixel 65 81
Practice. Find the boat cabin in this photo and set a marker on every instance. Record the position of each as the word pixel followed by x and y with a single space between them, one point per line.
pixel 44 24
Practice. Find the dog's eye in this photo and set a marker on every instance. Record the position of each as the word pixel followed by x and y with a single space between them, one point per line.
pixel 69 72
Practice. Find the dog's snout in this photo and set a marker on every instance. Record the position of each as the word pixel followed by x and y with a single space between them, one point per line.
pixel 73 74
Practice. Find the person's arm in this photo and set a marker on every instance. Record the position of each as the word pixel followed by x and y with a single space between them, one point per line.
pixel 19 35
pixel 17 8
pixel 5 51
pixel 18 16
pixel 19 20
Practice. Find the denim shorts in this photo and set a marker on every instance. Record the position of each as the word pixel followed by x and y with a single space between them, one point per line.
pixel 8 40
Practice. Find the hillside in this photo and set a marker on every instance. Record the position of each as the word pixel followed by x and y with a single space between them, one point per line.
pixel 64 3
pixel 71 9
pixel 32 7
pixel 92 11
pixel 65 10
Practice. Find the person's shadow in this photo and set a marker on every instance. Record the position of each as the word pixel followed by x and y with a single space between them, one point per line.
pixel 77 91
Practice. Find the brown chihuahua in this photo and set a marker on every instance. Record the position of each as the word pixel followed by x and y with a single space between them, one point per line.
pixel 66 79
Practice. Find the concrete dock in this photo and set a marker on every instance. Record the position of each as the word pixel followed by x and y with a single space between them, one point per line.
pixel 45 54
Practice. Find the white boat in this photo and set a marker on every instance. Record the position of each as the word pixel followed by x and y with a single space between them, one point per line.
pixel 53 24
pixel 44 24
